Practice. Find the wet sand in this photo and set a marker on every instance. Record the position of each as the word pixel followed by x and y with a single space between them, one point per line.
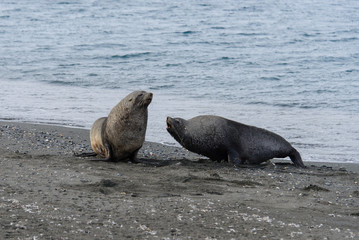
pixel 48 193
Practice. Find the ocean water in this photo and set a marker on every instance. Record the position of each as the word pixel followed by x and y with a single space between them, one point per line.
pixel 290 67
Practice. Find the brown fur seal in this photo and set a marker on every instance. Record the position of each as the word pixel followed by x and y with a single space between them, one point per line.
pixel 223 139
pixel 120 135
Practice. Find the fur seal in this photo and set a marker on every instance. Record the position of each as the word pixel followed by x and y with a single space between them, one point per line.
pixel 220 139
pixel 120 135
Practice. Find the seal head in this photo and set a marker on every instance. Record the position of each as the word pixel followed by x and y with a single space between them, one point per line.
pixel 176 128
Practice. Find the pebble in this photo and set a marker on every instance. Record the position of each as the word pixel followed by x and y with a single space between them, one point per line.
pixel 43 141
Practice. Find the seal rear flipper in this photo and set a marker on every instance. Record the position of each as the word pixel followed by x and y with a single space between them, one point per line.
pixel 108 153
pixel 296 158
pixel 88 154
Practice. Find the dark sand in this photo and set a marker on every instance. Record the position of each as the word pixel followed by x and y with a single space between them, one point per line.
pixel 48 193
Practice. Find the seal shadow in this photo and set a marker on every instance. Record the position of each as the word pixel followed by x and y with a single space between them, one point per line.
pixel 152 162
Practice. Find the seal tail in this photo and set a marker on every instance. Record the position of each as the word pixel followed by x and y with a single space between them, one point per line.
pixel 296 158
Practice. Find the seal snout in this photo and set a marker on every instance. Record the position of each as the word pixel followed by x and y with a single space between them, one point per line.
pixel 148 98
pixel 168 121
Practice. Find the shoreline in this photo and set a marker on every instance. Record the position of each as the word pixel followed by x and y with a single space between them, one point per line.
pixel 84 133
pixel 48 193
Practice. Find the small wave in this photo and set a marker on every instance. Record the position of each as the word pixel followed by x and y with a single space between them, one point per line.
pixel 226 58
pixel 351 70
pixel 69 65
pixel 166 86
pixel 344 39
pixel 258 103
pixel 218 28
pixel 251 34
pixel 284 105
pixel 98 46
pixel 173 64
pixel 124 56
pixel 318 91
pixel 329 59
pixel 62 83
pixel 8 119
pixel 292 105
pixel 321 91
pixel 252 63
pixel 294 41
pixel 270 78
pixel 308 35
pixel 131 55
pixel 62 74
pixel 250 9
pixel 188 32
pixel 92 75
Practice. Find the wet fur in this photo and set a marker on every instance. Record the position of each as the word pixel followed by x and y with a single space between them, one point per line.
pixel 223 139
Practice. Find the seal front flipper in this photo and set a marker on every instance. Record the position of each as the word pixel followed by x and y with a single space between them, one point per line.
pixel 296 158
pixel 133 156
pixel 233 157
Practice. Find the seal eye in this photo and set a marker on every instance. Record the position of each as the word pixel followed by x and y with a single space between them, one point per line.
pixel 130 100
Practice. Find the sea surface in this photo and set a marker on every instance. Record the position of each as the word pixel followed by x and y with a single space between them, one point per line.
pixel 291 67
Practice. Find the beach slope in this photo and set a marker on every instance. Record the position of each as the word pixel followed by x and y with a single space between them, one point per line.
pixel 48 193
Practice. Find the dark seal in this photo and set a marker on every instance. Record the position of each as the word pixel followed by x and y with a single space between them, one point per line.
pixel 222 139
pixel 120 135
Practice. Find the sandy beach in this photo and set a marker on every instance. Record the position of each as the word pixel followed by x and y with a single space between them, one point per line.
pixel 48 193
